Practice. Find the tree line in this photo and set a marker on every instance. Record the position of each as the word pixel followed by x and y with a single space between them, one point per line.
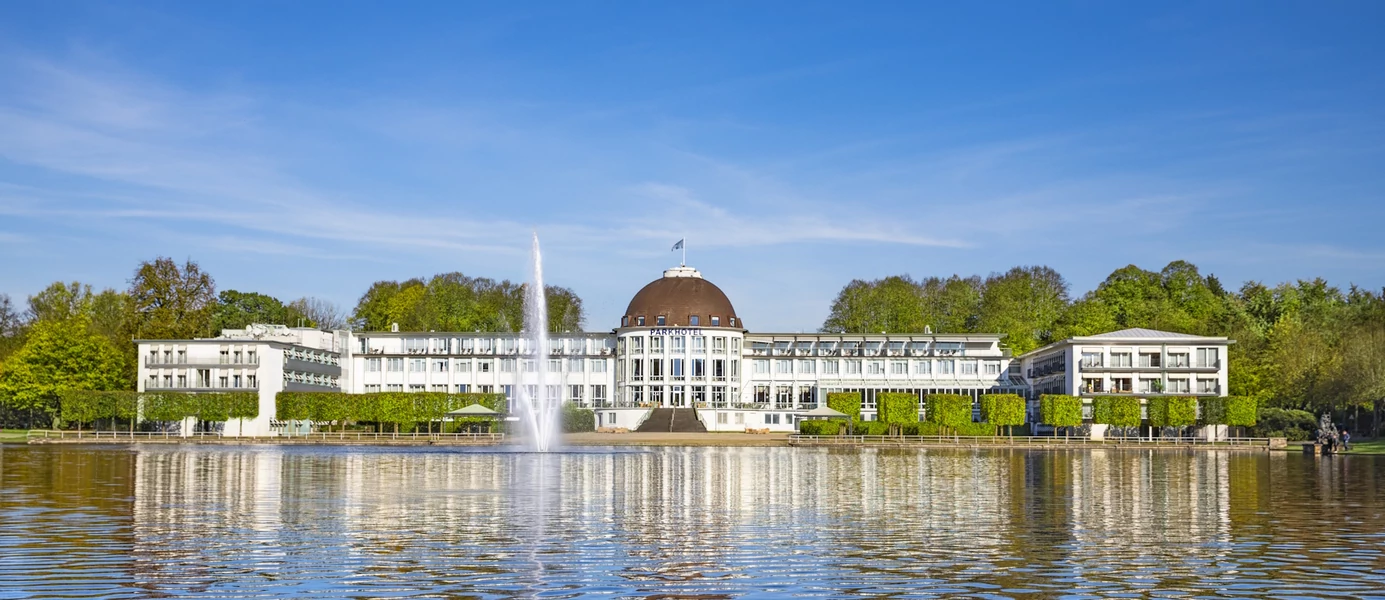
pixel 71 337
pixel 1302 345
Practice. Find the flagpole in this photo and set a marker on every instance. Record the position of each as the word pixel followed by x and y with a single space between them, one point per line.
pixel 685 252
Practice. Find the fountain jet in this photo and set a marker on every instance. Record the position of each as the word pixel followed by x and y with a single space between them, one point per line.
pixel 537 407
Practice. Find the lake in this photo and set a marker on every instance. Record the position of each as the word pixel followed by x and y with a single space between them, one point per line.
pixel 270 521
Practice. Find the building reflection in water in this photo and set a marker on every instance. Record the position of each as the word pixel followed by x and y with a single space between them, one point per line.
pixel 692 521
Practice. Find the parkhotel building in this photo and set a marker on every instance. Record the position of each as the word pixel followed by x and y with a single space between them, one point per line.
pixel 680 344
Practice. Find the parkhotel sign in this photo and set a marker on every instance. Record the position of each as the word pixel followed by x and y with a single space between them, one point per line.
pixel 675 331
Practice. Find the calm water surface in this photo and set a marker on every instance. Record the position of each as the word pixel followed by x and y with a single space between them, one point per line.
pixel 269 521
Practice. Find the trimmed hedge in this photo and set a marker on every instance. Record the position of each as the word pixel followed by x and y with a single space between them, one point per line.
pixel 872 428
pixel 207 406
pixel 950 411
pixel 898 408
pixel 1182 411
pixel 1242 411
pixel 1002 409
pixel 86 406
pixel 1116 411
pixel 848 403
pixel 397 408
pixel 820 427
pixel 1057 410
pixel 1212 411
pixel 1157 411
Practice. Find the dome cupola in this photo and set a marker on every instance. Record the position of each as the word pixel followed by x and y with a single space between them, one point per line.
pixel 681 298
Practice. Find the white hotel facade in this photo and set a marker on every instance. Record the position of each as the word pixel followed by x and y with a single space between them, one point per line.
pixel 680 344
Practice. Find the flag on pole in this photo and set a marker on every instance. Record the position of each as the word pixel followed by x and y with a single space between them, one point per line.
pixel 678 245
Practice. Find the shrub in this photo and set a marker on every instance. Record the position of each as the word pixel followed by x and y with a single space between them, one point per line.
pixel 1157 412
pixel 1002 409
pixel 848 403
pixel 1058 410
pixel 950 411
pixel 820 427
pixel 897 408
pixel 872 428
pixel 1279 422
pixel 398 408
pixel 577 420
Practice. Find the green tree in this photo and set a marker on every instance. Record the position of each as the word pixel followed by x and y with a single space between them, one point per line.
pixel 171 302
pixel 1025 304
pixel 235 310
pixel 58 355
pixel 898 408
pixel 1007 410
pixel 61 301
pixel 1057 410
pixel 948 411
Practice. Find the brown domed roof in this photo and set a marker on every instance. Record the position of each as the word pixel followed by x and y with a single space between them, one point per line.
pixel 679 295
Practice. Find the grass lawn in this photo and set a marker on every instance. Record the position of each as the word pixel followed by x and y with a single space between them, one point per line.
pixel 1375 446
pixel 12 435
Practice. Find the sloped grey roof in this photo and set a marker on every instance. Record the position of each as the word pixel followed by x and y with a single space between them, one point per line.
pixel 823 411
pixel 1138 332
pixel 472 410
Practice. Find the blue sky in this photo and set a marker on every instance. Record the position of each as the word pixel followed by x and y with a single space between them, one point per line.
pixel 313 148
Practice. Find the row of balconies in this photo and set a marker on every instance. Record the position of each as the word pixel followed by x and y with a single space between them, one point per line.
pixel 714 378
pixel 1098 365
pixel 855 352
pixel 159 385
pixel 157 361
pixel 489 352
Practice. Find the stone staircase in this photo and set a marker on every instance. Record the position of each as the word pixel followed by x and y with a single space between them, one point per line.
pixel 672 420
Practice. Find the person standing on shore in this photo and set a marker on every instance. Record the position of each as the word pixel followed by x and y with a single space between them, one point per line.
pixel 1346 440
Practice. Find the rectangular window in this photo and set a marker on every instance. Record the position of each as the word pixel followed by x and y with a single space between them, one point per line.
pixel 462 388
pixel 636 345
pixel 805 367
pixel 660 321
pixel 899 367
pixel 718 344
pixel 483 366
pixel 440 387
pixel 236 381
pixel 1178 360
pixel 692 320
pixel 575 365
pixel 783 367
pixel 394 387
pixel 656 368
pixel 1149 386
pixel 721 418
pixel 675 368
pixel 678 344
pixel 1091 360
pixel 993 368
pixel 599 395
pixel 530 366
pixel 639 321
pixel 968 367
pixel 699 344
pixel 699 368
pixel 923 367
pixel 555 365
pixel 761 367
pixel 1120 359
pixel 875 367
pixel 1206 358
pixel 508 391
pixel 395 365
pixel 507 365
pixel 762 394
pixel 783 397
pixel 1121 385
pixel 656 345
pixel 699 395
pixel 574 394
pixel 1206 386
pixel 1178 386
pixel 1149 360
pixel 223 381
pixel 463 366
pixel 371 388
pixel 416 387
pixel 440 366
pixel 372 365
pixel 598 366
pixel 853 367
pixel 1093 385
pixel 250 381
pixel 740 418
pixel 945 367
pixel 831 367
pixel 718 397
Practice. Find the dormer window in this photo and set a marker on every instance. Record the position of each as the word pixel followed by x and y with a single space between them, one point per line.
pixel 639 321
pixel 733 321
pixel 716 321
pixel 692 320
pixel 660 321
pixel 625 321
